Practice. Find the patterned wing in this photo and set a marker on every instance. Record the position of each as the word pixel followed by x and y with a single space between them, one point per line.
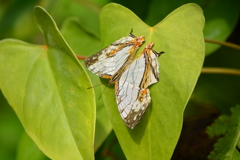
pixel 132 95
pixel 109 60
pixel 154 69
pixel 132 102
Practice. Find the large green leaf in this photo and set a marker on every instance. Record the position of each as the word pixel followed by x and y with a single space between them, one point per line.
pixel 180 36
pixel 86 43
pixel 47 88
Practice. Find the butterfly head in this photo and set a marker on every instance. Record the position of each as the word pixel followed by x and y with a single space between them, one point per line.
pixel 140 41
pixel 149 45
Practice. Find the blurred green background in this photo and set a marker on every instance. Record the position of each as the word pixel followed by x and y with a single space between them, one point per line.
pixel 214 94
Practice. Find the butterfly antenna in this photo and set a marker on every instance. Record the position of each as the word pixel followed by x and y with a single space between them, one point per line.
pixel 131 31
pixel 130 34
pixel 161 53
pixel 97 85
pixel 102 93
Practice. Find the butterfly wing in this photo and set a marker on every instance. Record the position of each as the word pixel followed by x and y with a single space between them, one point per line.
pixel 154 66
pixel 109 60
pixel 132 102
pixel 132 95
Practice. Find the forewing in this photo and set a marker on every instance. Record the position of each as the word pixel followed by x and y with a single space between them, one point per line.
pixel 109 60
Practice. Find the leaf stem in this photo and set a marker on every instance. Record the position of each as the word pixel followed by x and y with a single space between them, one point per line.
pixel 227 44
pixel 212 70
pixel 81 57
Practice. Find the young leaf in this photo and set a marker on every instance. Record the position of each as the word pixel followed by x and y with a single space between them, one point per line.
pixel 219 127
pixel 180 36
pixel 47 88
pixel 226 147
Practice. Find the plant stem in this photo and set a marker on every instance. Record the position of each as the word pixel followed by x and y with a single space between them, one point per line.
pixel 227 44
pixel 212 70
pixel 81 57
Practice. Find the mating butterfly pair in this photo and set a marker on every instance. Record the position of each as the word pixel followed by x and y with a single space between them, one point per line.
pixel 131 76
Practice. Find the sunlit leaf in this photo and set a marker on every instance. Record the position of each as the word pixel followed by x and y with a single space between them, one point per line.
pixel 47 88
pixel 180 36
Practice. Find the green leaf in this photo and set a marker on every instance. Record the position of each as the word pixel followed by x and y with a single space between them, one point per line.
pixel 47 88
pixel 27 149
pixel 225 148
pixel 219 127
pixel 84 42
pixel 180 36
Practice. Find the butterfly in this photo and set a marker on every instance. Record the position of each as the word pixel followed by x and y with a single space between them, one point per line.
pixel 131 76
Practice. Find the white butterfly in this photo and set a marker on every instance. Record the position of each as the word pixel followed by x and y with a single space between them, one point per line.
pixel 131 76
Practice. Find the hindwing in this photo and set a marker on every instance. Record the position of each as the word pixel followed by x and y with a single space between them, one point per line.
pixel 132 95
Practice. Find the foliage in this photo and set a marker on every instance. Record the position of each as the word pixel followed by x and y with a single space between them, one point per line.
pixel 46 85
pixel 180 52
pixel 229 128
pixel 51 85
